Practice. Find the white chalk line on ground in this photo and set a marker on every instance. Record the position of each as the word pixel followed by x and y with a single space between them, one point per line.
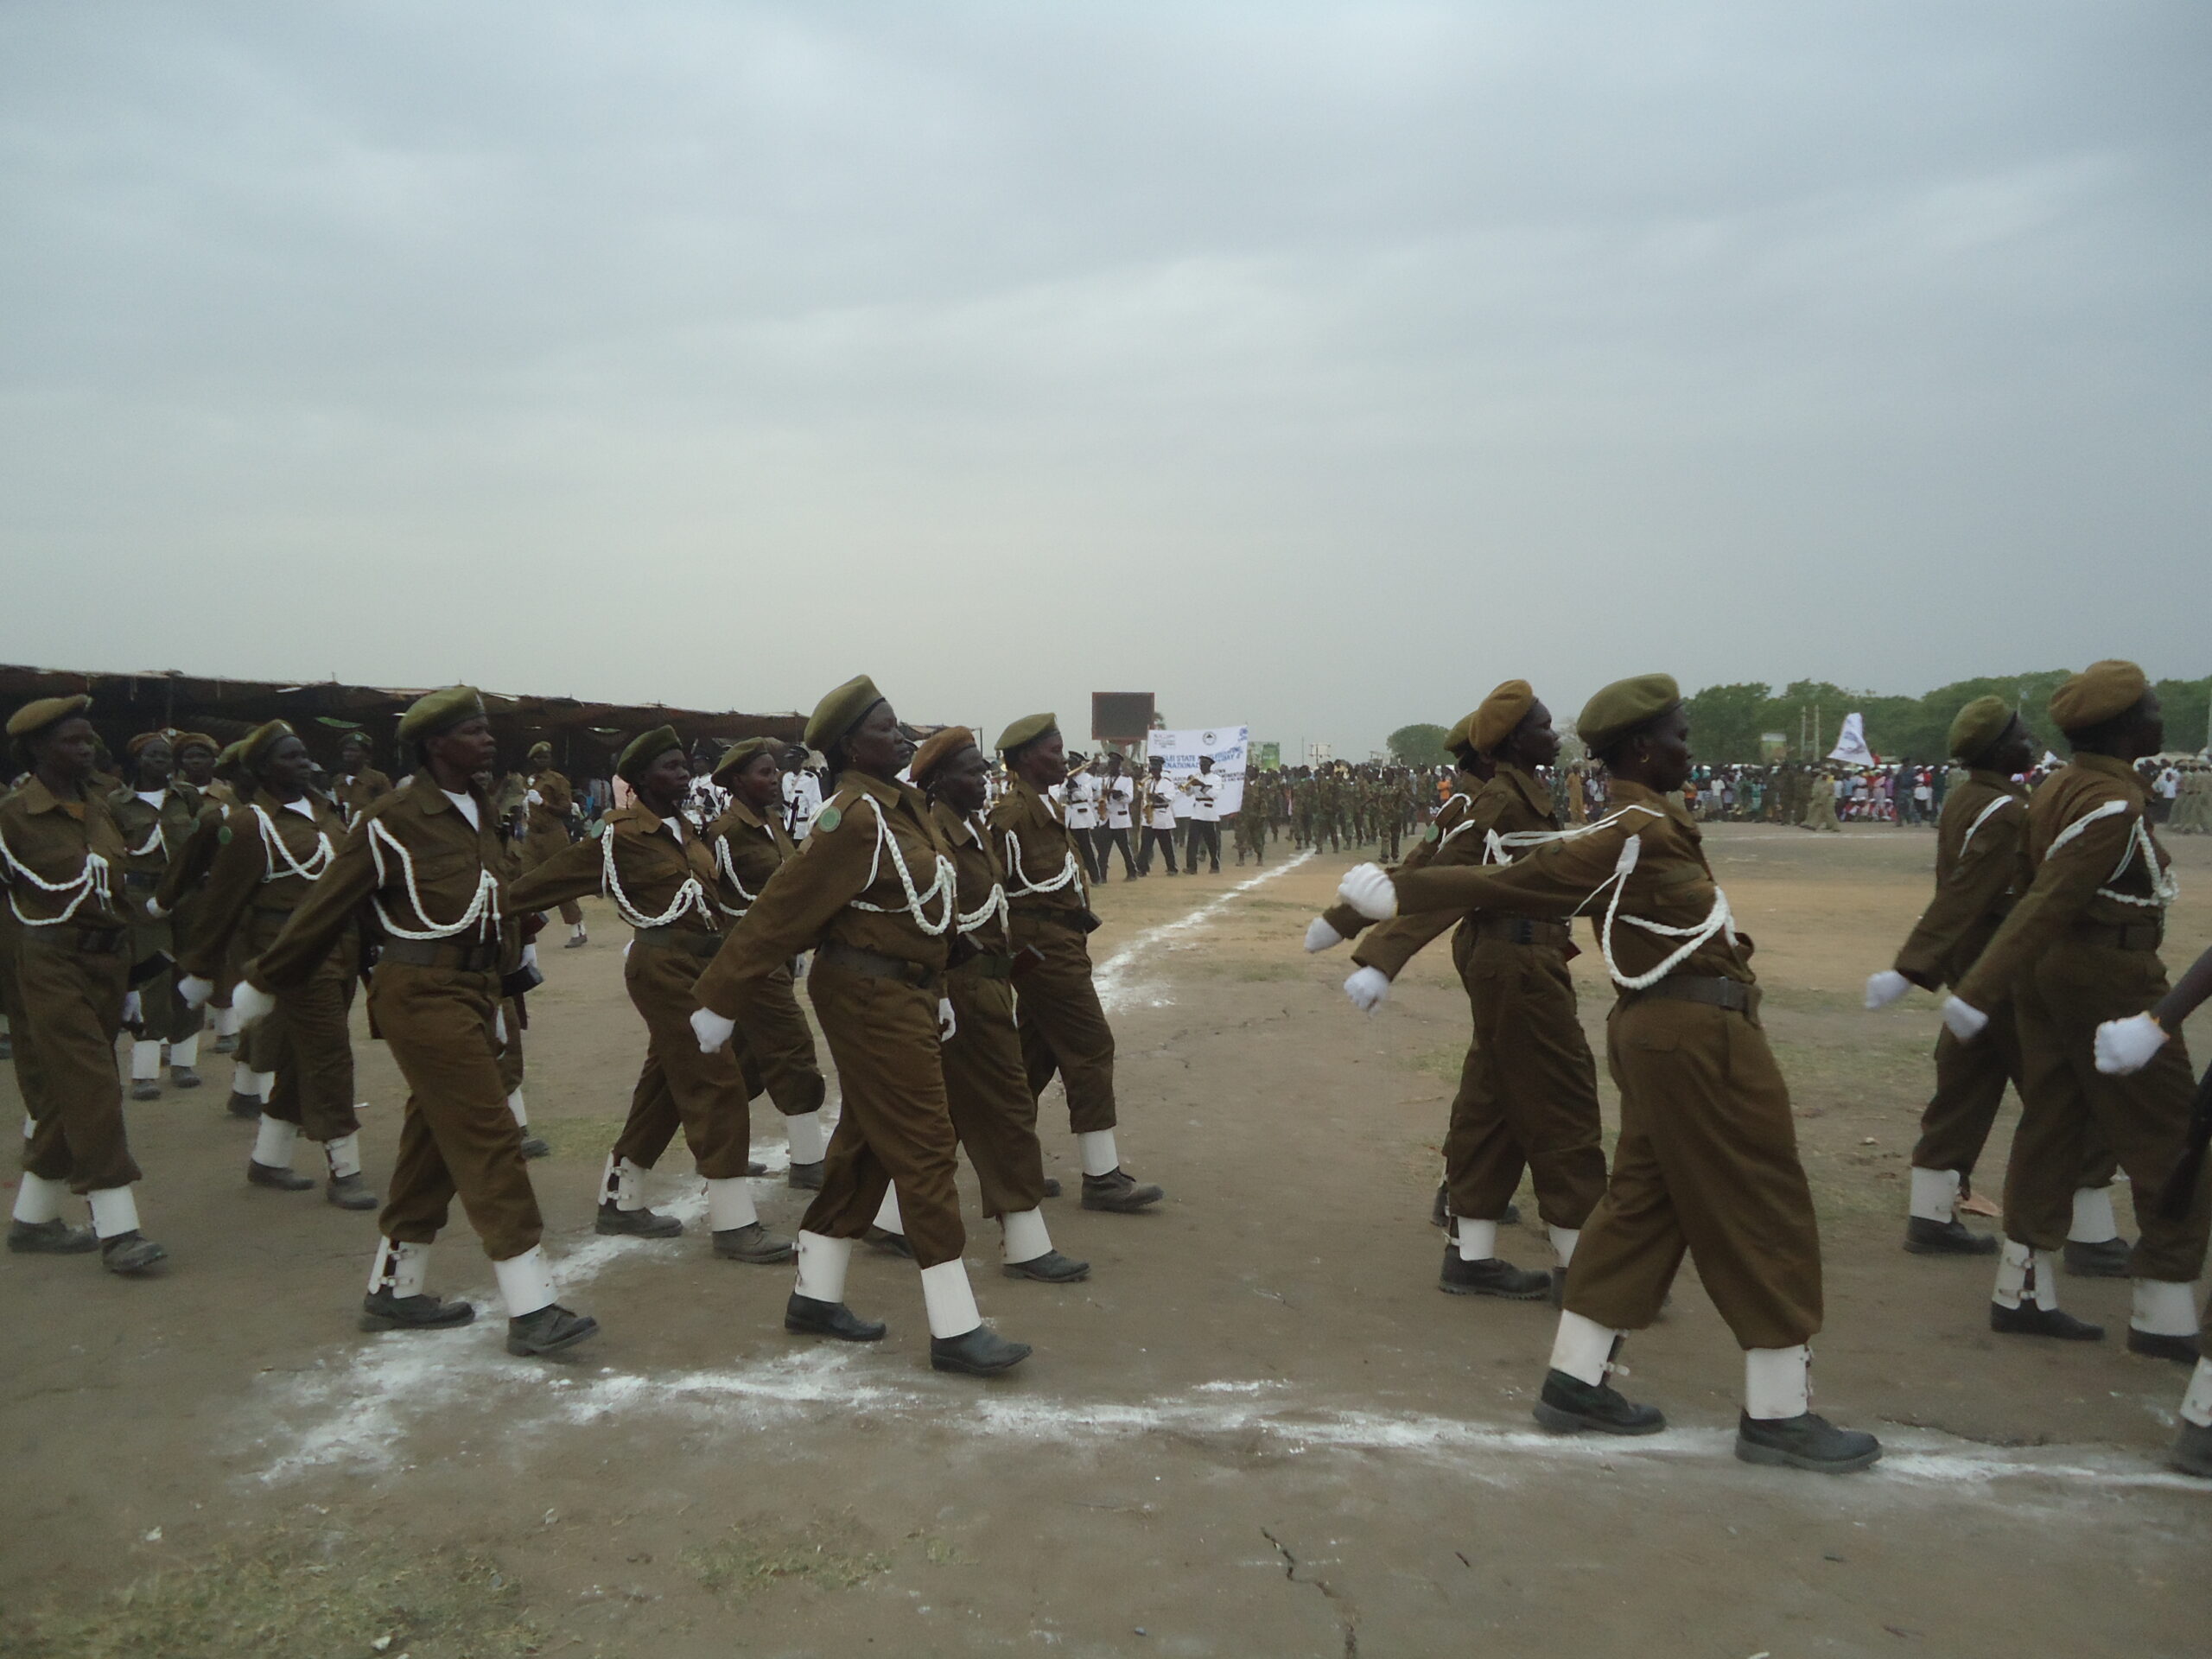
pixel 356 1412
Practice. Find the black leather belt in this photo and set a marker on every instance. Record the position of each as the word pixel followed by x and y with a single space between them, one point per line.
pixel 2121 936
pixel 1525 929
pixel 871 964
pixel 985 964
pixel 1730 993
pixel 435 953
pixel 85 941
pixel 679 938
pixel 144 880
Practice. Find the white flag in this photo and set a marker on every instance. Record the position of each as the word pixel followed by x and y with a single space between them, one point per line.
pixel 1851 744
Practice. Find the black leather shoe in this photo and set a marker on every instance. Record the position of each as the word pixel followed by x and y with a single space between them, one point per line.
pixel 146 1089
pixel 1119 1193
pixel 634 1224
pixel 1050 1269
pixel 754 1244
pixel 2191 1452
pixel 550 1330
pixel 1493 1277
pixel 130 1253
pixel 1805 1441
pixel 755 1168
pixel 245 1106
pixel 536 1146
pixel 980 1352
pixel 1439 1213
pixel 1571 1406
pixel 2028 1320
pixel 226 1045
pixel 1926 1238
pixel 2152 1346
pixel 1511 1216
pixel 350 1192
pixel 1052 1186
pixel 804 1316
pixel 284 1181
pixel 382 1311
pixel 183 1077
pixel 889 1243
pixel 55 1237
pixel 807 1178
pixel 2105 1260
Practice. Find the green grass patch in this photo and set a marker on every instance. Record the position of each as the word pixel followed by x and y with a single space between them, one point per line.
pixel 755 1555
pixel 586 1138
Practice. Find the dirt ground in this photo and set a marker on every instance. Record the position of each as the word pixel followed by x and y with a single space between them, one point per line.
pixel 1258 1429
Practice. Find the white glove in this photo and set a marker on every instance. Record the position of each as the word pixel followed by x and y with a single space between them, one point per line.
pixel 154 909
pixel 1367 989
pixel 195 992
pixel 1967 1022
pixel 132 1008
pixel 2126 1046
pixel 1368 889
pixel 946 1024
pixel 529 954
pixel 1321 936
pixel 1884 988
pixel 499 1024
pixel 713 1031
pixel 249 1003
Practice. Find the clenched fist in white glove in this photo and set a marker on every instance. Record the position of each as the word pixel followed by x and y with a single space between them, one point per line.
pixel 195 992
pixel 1967 1022
pixel 946 1024
pixel 499 1024
pixel 1367 989
pixel 2126 1046
pixel 713 1031
pixel 133 1009
pixel 249 1002
pixel 1368 889
pixel 154 909
pixel 1884 988
pixel 1321 936
pixel 529 954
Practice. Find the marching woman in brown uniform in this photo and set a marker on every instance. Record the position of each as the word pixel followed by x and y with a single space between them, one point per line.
pixel 659 876
pixel 986 1085
pixel 550 801
pixel 157 815
pixel 873 893
pixel 427 859
pixel 1708 1157
pixel 202 762
pixel 284 838
pixel 1528 1094
pixel 1981 870
pixel 1064 1028
pixel 358 785
pixel 62 860
pixel 2079 950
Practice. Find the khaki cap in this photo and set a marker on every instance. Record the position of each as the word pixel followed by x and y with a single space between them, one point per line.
pixel 742 751
pixel 644 749
pixel 540 750
pixel 1620 708
pixel 1976 728
pixel 441 710
pixel 1492 723
pixel 195 740
pixel 33 717
pixel 2097 693
pixel 1027 729
pixel 940 748
pixel 254 747
pixel 840 711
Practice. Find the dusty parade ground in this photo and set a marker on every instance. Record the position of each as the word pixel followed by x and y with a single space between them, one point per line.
pixel 1258 1429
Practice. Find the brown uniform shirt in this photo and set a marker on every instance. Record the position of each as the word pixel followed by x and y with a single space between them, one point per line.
pixel 152 835
pixel 449 860
pixel 357 794
pixel 844 863
pixel 2073 883
pixel 1455 839
pixel 649 863
pixel 747 849
pixel 53 840
pixel 983 879
pixel 549 813
pixel 1671 884
pixel 245 877
pixel 1036 847
pixel 1981 870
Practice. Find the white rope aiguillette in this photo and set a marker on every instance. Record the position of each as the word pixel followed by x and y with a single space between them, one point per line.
pixel 690 896
pixel 273 843
pixel 483 912
pixel 92 879
pixel 945 890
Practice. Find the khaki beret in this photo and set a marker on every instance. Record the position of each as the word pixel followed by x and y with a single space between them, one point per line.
pixel 440 711
pixel 643 750
pixel 2097 693
pixel 145 740
pixel 937 748
pixel 743 751
pixel 1492 723
pixel 253 748
pixel 33 717
pixel 1027 729
pixel 1976 728
pixel 540 750
pixel 1620 708
pixel 1462 733
pixel 840 711
pixel 196 740
pixel 228 761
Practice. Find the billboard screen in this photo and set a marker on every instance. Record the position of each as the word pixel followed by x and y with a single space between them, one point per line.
pixel 1125 716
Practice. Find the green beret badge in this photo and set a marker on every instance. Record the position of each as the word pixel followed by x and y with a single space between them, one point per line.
pixel 828 818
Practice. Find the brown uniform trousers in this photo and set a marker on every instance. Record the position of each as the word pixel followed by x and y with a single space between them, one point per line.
pixel 2072 956
pixel 779 1044
pixel 307 1041
pixel 71 1010
pixel 547 835
pixel 162 1016
pixel 1708 1156
pixel 707 1094
pixel 791 1076
pixel 878 1009
pixel 1062 1024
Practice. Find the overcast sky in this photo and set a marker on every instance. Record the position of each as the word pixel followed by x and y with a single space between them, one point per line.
pixel 1315 367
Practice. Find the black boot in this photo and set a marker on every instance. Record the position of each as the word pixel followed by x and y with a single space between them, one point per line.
pixel 1926 1238
pixel 183 1077
pixel 1052 1186
pixel 130 1253
pixel 804 1316
pixel 2030 1321
pixel 2191 1452
pixel 889 1243
pixel 1570 1406
pixel 1118 1192
pixel 548 1331
pixel 2107 1259
pixel 1493 1277
pixel 614 1220
pixel 282 1181
pixel 350 1192
pixel 2152 1346
pixel 807 1178
pixel 245 1106
pixel 55 1237
pixel 980 1352
pixel 754 1244
pixel 1052 1269
pixel 382 1311
pixel 535 1146
pixel 1805 1441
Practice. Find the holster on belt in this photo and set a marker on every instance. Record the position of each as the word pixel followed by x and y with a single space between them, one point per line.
pixel 153 967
